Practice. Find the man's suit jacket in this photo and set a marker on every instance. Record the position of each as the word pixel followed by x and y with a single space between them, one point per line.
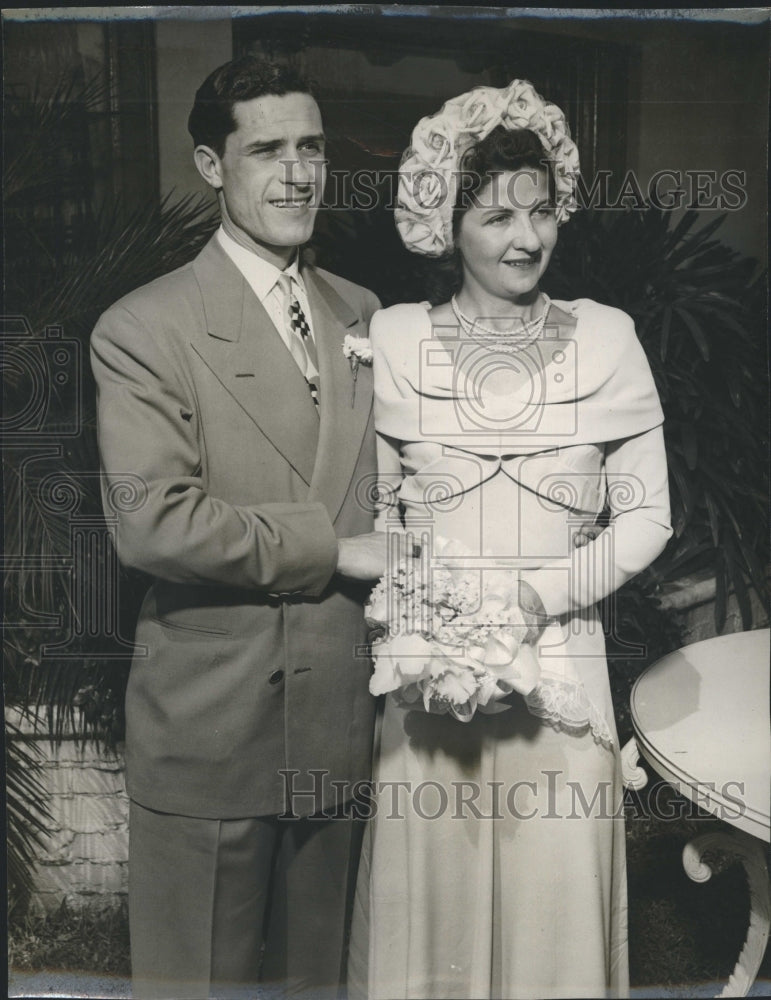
pixel 250 655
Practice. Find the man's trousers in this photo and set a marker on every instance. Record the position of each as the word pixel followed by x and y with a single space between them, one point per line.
pixel 205 895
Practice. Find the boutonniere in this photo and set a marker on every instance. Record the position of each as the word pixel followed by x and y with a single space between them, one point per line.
pixel 359 352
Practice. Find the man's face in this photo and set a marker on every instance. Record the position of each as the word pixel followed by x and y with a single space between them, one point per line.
pixel 272 171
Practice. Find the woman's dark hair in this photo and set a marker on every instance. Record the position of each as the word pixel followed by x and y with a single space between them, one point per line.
pixel 211 121
pixel 502 150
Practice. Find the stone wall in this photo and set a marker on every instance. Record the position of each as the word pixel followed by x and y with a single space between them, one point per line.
pixel 693 598
pixel 86 854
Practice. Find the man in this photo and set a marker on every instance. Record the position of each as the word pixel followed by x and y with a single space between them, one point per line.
pixel 224 390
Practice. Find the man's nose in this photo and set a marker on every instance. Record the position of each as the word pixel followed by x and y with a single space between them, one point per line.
pixel 300 171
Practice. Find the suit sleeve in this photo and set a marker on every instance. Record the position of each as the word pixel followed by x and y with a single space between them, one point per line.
pixel 638 496
pixel 174 530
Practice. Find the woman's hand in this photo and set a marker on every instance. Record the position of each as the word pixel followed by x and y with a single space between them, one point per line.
pixel 530 603
pixel 362 557
pixel 534 613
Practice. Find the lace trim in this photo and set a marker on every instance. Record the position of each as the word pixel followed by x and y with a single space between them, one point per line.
pixel 566 706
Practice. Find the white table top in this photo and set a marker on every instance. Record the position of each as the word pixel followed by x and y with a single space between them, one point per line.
pixel 701 719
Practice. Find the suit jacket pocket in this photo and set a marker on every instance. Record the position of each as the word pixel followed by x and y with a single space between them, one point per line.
pixel 189 627
pixel 187 611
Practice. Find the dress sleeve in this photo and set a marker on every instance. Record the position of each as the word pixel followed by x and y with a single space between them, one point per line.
pixel 393 398
pixel 638 496
pixel 389 478
pixel 396 358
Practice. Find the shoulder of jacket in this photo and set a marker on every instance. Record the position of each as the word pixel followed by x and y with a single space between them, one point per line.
pixel 344 287
pixel 161 294
pixel 154 316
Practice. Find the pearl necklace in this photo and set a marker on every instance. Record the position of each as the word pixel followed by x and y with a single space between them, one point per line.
pixel 504 340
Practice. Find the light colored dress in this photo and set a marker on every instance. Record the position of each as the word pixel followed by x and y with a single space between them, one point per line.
pixel 494 866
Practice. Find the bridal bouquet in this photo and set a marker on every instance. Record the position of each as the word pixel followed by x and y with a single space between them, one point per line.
pixel 451 637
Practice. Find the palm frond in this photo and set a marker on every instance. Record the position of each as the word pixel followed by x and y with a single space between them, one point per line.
pixel 32 129
pixel 28 814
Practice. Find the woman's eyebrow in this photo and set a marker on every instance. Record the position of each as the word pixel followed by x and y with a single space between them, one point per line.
pixel 495 209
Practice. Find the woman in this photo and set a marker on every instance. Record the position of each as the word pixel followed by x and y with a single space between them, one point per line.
pixel 508 422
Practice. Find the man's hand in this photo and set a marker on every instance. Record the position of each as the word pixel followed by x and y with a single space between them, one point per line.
pixel 362 557
pixel 585 534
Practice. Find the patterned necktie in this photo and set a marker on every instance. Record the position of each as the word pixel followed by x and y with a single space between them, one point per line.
pixel 302 347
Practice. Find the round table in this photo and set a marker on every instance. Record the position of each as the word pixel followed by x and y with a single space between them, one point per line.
pixel 701 720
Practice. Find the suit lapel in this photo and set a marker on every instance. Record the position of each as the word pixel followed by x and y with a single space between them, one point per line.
pixel 245 352
pixel 343 416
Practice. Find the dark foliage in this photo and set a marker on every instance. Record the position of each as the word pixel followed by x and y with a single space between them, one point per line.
pixel 27 816
pixel 72 259
pixel 700 316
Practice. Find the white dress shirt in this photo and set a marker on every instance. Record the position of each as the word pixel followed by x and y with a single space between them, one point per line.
pixel 262 277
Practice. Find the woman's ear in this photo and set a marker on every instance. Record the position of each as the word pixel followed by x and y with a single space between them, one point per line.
pixel 208 165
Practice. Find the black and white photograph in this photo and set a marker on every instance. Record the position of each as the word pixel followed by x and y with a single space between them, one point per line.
pixel 386 502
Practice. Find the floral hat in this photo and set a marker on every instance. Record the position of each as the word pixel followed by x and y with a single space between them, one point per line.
pixel 431 165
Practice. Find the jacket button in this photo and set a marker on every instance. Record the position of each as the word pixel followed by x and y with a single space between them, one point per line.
pixel 276 677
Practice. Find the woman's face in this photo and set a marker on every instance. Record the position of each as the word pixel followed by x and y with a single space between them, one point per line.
pixel 507 235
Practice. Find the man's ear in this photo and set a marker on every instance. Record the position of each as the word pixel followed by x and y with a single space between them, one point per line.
pixel 208 165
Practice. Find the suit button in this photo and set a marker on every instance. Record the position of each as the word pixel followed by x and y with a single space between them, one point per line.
pixel 276 677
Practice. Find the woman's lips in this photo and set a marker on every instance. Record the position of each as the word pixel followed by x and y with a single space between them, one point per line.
pixel 523 262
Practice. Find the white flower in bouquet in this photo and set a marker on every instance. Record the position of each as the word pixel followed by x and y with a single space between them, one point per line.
pixel 452 637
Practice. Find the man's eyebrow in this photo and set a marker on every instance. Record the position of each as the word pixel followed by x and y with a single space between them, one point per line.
pixel 266 144
pixel 271 145
pixel 314 137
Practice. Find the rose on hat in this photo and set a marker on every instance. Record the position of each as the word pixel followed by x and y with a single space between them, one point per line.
pixel 430 167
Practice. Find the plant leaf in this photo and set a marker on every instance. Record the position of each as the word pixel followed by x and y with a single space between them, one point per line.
pixel 690 445
pixel 666 325
pixel 714 518
pixel 696 331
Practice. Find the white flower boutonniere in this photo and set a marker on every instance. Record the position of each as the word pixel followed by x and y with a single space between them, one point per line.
pixel 359 352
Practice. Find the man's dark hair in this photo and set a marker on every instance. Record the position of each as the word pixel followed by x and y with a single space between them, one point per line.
pixel 211 121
